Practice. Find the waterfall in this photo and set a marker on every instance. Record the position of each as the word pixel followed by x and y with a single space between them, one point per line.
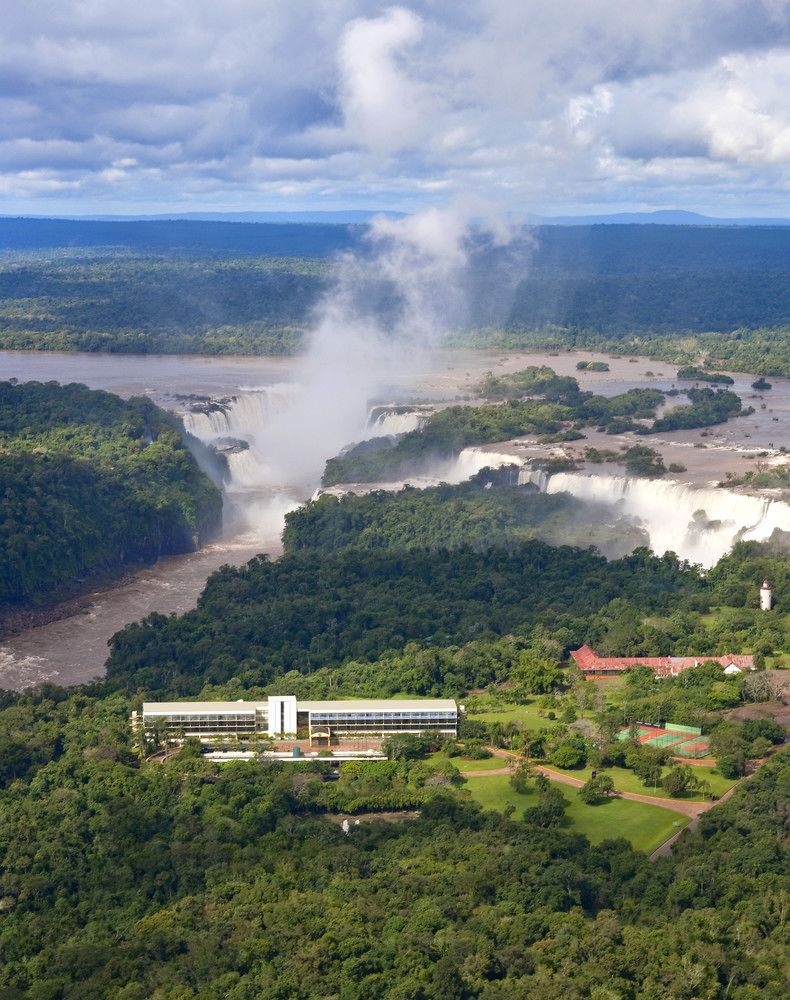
pixel 700 525
pixel 244 418
pixel 473 460
pixel 533 477
pixel 239 416
pixel 234 425
pixel 394 419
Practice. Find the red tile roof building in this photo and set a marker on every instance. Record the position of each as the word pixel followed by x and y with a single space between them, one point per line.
pixel 593 665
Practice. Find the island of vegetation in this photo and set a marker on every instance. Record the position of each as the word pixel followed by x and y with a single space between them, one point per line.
pixel 489 510
pixel 534 401
pixel 91 485
pixel 592 366
pixel 692 373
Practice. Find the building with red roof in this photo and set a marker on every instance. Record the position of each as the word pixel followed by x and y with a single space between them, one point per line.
pixel 593 665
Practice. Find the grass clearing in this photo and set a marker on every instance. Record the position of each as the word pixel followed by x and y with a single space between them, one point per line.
pixel 466 763
pixel 525 716
pixel 646 827
pixel 626 781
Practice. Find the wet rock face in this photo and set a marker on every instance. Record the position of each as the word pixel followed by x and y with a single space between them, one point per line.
pixel 230 446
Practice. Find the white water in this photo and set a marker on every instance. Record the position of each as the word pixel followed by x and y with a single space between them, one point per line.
pixel 243 417
pixel 242 414
pixel 394 419
pixel 700 525
pixel 396 423
pixel 247 416
pixel 474 460
pixel 468 464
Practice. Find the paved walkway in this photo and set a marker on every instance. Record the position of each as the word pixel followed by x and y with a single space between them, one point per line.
pixel 691 809
pixel 494 770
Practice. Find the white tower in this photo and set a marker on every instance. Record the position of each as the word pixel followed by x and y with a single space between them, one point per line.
pixel 765 596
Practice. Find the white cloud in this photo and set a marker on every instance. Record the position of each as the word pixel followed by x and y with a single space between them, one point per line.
pixel 383 108
pixel 540 103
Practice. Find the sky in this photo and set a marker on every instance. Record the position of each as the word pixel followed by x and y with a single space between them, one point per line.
pixel 538 106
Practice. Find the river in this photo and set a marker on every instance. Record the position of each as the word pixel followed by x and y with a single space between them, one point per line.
pixel 73 650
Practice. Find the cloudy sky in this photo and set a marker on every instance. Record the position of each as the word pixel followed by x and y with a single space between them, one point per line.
pixel 543 106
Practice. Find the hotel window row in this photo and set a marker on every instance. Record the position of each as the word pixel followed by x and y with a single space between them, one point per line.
pixel 284 715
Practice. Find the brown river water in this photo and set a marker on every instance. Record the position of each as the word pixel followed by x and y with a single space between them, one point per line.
pixel 73 650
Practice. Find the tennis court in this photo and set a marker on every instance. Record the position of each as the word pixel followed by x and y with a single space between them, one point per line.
pixel 683 741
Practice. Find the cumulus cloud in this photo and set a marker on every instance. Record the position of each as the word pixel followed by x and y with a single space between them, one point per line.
pixel 542 105
pixel 383 108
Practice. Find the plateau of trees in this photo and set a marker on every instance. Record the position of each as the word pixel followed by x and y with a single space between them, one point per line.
pixel 315 610
pixel 302 612
pixel 483 513
pixel 90 485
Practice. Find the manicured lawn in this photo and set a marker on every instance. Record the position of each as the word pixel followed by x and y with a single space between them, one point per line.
pixel 645 826
pixel 615 689
pixel 626 781
pixel 465 764
pixel 525 716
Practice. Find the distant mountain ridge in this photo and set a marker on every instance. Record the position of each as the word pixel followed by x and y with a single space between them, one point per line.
pixel 329 218
pixel 660 217
pixel 663 217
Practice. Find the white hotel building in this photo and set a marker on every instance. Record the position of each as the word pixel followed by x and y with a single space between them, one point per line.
pixel 284 716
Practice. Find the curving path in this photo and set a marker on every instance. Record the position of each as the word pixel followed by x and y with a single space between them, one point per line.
pixel 691 809
pixel 494 770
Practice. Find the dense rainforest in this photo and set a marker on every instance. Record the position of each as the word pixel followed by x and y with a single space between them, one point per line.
pixel 186 286
pixel 91 484
pixel 314 609
pixel 301 612
pixel 190 880
pixel 483 513
pixel 193 881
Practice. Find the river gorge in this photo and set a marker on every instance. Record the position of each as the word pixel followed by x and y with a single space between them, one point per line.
pixel 239 406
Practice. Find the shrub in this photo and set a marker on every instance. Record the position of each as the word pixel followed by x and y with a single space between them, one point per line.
pixel 765 728
pixel 519 779
pixel 403 746
pixel 597 790
pixel 679 781
pixel 732 765
pixel 760 747
pixel 568 756
pixel 474 750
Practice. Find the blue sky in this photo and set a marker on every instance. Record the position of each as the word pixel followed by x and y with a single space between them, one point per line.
pixel 560 107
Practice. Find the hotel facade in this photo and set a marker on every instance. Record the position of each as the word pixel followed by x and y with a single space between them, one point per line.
pixel 284 716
